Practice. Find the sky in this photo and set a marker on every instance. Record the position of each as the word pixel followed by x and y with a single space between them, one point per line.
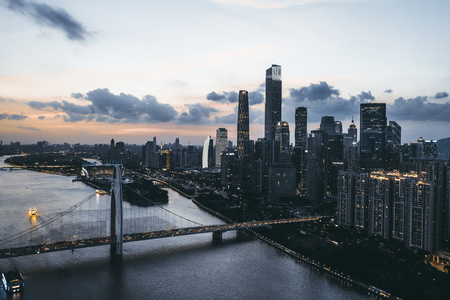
pixel 88 71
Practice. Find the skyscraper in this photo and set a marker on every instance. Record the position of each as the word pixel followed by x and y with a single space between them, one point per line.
pixel 353 131
pixel 273 101
pixel 221 143
pixel 373 134
pixel 206 153
pixel 301 132
pixel 243 123
pixel 394 136
pixel 327 125
pixel 282 136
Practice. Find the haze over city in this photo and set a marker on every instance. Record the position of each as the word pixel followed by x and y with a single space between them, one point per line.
pixel 87 71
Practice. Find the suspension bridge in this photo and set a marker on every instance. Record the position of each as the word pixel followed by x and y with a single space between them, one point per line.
pixel 95 221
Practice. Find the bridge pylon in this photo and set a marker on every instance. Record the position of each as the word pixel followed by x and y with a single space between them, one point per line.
pixel 116 212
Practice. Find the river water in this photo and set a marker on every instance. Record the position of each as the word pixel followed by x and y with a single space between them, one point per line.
pixel 185 267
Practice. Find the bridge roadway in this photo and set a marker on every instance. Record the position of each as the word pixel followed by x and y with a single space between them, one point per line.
pixel 67 245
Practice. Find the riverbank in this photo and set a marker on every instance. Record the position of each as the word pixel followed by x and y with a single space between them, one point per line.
pixel 338 275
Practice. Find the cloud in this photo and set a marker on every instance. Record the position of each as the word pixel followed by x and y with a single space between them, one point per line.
pixel 29 128
pixel 366 97
pixel 41 105
pixel 110 108
pixel 441 95
pixel 388 91
pixel 77 95
pixel 213 96
pixel 197 114
pixel 255 97
pixel 314 92
pixel 231 97
pixel 12 117
pixel 46 15
pixel 41 117
pixel 419 109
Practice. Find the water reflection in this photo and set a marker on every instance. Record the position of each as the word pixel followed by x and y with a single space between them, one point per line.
pixel 33 220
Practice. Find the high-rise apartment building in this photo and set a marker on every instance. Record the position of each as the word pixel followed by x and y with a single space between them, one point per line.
pixel 273 101
pixel 373 135
pixel 221 143
pixel 301 132
pixel 243 126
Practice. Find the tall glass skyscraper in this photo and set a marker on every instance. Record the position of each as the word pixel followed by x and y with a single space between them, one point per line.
pixel 243 127
pixel 301 132
pixel 221 143
pixel 282 136
pixel 373 134
pixel 273 101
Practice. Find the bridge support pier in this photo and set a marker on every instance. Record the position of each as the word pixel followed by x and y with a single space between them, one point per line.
pixel 217 236
pixel 241 233
pixel 116 212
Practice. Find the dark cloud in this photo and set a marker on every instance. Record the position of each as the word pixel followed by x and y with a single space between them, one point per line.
pixel 366 97
pixel 419 109
pixel 231 97
pixel 441 95
pixel 40 105
pixel 110 108
pixel 255 97
pixel 213 96
pixel 17 117
pixel 41 117
pixel 314 92
pixel 29 128
pixel 12 117
pixel 388 91
pixel 197 114
pixel 49 16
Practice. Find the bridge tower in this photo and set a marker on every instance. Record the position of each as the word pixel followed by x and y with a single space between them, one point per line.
pixel 116 212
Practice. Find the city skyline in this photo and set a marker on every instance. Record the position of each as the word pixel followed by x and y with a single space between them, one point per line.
pixel 160 71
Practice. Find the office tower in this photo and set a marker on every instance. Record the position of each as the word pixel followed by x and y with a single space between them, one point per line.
pixel 327 125
pixel 430 149
pixel 338 127
pixel 282 182
pixel 148 154
pixel 393 136
pixel 352 131
pixel 282 136
pixel 273 101
pixel 177 143
pixel 243 124
pixel 317 144
pixel 206 153
pixel 301 121
pixel 373 135
pixel 221 143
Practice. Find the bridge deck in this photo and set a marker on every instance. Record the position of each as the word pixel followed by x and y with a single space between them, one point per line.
pixel 67 245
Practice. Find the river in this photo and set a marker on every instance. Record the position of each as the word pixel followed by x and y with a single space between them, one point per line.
pixel 185 267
